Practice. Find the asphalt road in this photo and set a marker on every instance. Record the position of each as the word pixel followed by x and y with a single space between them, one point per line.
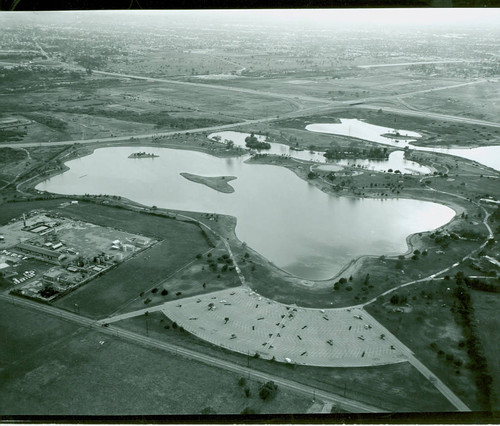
pixel 432 115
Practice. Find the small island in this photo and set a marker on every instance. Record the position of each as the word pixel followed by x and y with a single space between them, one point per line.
pixel 254 143
pixel 219 183
pixel 142 155
pixel 396 135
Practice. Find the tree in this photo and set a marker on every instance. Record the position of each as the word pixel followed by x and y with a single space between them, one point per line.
pixel 242 381
pixel 394 299
pixel 268 391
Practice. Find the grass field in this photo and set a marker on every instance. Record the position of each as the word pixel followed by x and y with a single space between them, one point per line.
pixel 418 330
pixel 69 371
pixel 195 278
pixel 23 335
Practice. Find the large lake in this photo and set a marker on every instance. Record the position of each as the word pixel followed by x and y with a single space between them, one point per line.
pixel 487 155
pixel 295 225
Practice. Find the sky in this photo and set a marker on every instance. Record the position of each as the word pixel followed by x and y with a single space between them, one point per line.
pixel 432 16
pixel 300 18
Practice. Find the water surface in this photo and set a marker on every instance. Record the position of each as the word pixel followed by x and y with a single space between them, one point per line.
pixel 486 155
pixel 292 223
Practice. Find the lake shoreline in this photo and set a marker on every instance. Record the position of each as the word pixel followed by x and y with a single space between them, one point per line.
pixel 271 159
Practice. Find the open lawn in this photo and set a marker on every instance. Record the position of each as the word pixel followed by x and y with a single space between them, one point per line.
pixel 418 330
pixel 195 278
pixel 64 370
pixel 24 334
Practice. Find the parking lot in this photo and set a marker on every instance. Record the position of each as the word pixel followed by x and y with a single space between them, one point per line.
pixel 243 321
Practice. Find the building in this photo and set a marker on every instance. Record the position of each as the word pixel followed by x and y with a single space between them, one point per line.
pixel 38 252
pixel 52 277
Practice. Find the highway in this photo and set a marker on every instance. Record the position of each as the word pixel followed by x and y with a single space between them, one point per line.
pixel 309 391
pixel 431 115
pixel 217 87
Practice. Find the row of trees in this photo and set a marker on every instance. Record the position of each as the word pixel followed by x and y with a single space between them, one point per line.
pixel 340 153
pixel 464 312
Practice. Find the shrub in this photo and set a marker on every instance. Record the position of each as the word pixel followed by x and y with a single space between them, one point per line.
pixel 268 391
pixel 164 292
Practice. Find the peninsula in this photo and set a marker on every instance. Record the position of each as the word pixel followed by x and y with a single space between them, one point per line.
pixel 219 183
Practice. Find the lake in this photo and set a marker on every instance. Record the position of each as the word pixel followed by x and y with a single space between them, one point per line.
pixel 292 223
pixel 486 155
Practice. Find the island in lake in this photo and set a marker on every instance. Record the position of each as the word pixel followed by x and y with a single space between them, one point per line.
pixel 396 135
pixel 219 183
pixel 142 155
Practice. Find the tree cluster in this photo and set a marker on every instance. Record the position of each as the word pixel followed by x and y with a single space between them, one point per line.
pixel 252 142
pixel 339 153
pixel 464 311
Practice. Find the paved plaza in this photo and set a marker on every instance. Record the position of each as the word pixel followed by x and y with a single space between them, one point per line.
pixel 243 321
